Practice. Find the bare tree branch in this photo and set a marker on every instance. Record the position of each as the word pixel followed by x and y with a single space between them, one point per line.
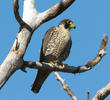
pixel 65 86
pixel 67 68
pixel 31 21
pixel 14 60
pixel 18 18
pixel 102 93
pixel 16 12
pixel 56 10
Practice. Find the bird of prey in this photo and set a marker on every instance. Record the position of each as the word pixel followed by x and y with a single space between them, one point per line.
pixel 55 48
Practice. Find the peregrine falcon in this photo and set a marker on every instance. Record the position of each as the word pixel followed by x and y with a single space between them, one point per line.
pixel 55 48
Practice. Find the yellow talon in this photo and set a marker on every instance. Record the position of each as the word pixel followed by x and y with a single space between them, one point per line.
pixel 63 66
pixel 52 64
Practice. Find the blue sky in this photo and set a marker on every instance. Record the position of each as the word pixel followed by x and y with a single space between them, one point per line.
pixel 92 19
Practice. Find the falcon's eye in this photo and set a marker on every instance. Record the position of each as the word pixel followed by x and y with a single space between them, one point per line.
pixel 67 25
pixel 71 23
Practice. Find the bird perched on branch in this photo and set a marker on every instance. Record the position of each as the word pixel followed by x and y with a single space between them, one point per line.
pixel 55 49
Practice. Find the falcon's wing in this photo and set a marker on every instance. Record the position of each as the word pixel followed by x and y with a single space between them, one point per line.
pixel 45 42
pixel 66 51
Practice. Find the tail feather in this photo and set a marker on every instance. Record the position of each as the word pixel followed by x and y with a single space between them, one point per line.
pixel 40 78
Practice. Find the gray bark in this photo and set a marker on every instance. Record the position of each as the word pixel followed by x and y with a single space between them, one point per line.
pixel 102 93
pixel 31 21
pixel 28 24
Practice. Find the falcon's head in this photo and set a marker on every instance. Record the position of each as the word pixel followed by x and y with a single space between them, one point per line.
pixel 67 24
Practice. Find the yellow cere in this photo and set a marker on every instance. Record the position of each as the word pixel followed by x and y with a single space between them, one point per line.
pixel 72 24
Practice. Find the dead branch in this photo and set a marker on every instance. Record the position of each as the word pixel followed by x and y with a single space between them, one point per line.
pixel 31 21
pixel 57 9
pixel 16 12
pixel 18 18
pixel 102 93
pixel 65 86
pixel 71 69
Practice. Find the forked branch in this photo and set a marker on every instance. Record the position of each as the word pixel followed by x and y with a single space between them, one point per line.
pixel 30 22
pixel 18 18
pixel 31 13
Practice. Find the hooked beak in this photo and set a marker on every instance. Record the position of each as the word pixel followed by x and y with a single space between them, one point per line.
pixel 72 25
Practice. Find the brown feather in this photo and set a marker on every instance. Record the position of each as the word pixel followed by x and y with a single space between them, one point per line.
pixel 55 47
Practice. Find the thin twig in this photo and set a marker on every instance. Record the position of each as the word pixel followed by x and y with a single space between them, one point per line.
pixel 65 86
pixel 88 95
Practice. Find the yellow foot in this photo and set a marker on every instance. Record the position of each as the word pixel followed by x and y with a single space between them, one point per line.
pixel 63 66
pixel 52 63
